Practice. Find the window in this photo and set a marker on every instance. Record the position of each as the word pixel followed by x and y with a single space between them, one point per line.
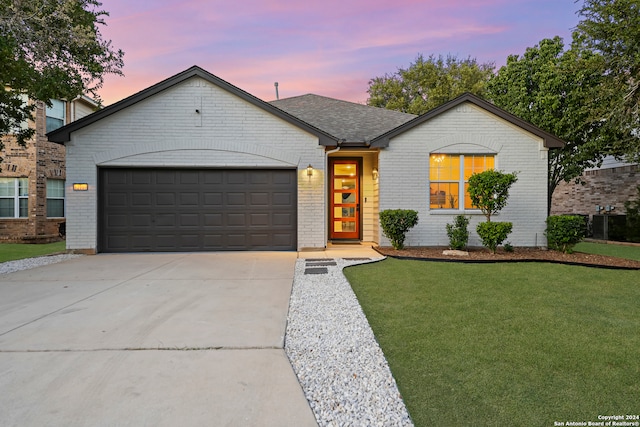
pixel 14 197
pixel 55 198
pixel 449 175
pixel 55 115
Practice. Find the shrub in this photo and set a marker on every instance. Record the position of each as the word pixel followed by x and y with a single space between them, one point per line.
pixel 632 208
pixel 458 233
pixel 564 232
pixel 493 234
pixel 489 190
pixel 395 223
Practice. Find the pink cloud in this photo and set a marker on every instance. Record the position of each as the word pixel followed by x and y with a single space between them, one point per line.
pixel 330 47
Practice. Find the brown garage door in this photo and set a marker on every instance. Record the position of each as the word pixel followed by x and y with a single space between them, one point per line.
pixel 169 210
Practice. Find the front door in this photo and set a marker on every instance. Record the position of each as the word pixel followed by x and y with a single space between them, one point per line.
pixel 345 199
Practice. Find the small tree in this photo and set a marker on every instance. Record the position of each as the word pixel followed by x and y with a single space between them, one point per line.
pixel 395 223
pixel 458 233
pixel 489 191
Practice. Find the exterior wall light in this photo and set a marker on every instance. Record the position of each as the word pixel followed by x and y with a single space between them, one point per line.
pixel 80 186
pixel 375 174
pixel 309 170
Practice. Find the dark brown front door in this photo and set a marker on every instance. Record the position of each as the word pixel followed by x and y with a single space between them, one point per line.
pixel 344 199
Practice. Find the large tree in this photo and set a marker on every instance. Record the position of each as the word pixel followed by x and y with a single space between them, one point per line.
pixel 552 88
pixel 50 49
pixel 428 83
pixel 612 28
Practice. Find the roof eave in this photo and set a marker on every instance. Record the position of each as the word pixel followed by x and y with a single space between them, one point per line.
pixel 63 134
pixel 549 140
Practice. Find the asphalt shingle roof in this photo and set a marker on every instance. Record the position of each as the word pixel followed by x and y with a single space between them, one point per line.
pixel 353 123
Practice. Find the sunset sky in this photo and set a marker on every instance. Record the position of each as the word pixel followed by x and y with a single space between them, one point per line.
pixel 329 47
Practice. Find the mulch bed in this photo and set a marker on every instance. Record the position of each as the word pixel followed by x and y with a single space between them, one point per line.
pixel 482 255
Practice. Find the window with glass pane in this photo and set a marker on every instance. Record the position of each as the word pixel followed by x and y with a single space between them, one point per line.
pixel 14 197
pixel 55 198
pixel 55 115
pixel 448 176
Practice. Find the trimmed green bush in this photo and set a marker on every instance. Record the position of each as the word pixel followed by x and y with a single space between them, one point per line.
pixel 395 223
pixel 564 232
pixel 493 234
pixel 458 233
pixel 489 190
pixel 632 208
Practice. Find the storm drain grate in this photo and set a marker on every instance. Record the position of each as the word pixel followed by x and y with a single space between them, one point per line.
pixel 320 270
pixel 357 259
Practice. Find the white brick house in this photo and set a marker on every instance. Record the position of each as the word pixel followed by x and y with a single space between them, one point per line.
pixel 195 163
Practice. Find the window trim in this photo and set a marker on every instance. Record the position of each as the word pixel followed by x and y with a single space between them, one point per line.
pixel 49 110
pixel 63 198
pixel 461 182
pixel 17 197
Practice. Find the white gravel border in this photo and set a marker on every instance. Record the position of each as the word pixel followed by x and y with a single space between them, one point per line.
pixel 27 263
pixel 340 366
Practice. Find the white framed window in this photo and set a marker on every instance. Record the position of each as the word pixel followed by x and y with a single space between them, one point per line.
pixel 448 179
pixel 55 198
pixel 14 197
pixel 56 115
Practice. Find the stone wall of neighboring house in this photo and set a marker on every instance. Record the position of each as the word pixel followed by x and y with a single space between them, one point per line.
pixel 39 160
pixel 610 186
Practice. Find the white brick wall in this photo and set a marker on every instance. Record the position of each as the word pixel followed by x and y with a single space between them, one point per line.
pixel 165 130
pixel 404 174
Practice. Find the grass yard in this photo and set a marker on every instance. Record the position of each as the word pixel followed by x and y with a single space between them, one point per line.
pixel 15 251
pixel 506 344
pixel 620 251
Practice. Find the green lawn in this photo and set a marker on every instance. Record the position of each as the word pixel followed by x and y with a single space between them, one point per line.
pixel 506 344
pixel 14 251
pixel 620 251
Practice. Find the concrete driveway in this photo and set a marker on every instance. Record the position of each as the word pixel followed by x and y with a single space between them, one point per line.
pixel 150 339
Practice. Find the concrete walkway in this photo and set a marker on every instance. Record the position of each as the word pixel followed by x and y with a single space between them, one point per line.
pixel 150 339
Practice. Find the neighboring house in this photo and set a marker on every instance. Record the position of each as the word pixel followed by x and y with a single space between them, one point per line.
pixel 612 184
pixel 195 163
pixel 32 178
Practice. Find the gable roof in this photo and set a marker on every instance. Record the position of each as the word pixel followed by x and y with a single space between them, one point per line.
pixel 63 134
pixel 550 140
pixel 353 124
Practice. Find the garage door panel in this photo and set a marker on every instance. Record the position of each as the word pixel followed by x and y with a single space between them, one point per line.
pixel 192 210
pixel 236 199
pixel 212 199
pixel 118 199
pixel 212 220
pixel 144 220
pixel 189 220
pixel 141 199
pixel 259 219
pixel 236 220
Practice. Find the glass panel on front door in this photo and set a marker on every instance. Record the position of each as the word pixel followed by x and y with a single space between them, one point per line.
pixel 345 199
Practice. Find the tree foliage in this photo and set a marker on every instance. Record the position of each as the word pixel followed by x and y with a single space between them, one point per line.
pixel 553 88
pixel 489 190
pixel 395 224
pixel 564 232
pixel 612 28
pixel 50 49
pixel 428 83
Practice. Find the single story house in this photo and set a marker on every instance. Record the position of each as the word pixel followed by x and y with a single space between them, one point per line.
pixel 194 163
